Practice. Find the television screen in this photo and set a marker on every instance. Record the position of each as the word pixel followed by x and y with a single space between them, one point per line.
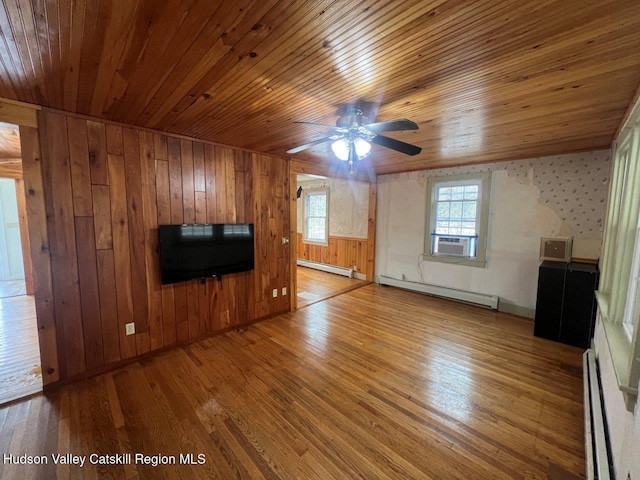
pixel 200 251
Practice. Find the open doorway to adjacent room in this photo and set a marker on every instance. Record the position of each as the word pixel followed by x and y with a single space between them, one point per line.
pixel 331 238
pixel 20 368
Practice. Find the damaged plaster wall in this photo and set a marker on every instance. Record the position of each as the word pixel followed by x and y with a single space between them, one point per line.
pixel 348 206
pixel 562 195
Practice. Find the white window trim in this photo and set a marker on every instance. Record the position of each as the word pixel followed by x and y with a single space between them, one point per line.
pixel 484 180
pixel 618 297
pixel 632 307
pixel 305 239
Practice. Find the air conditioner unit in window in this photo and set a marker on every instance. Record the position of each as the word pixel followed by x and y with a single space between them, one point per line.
pixel 454 246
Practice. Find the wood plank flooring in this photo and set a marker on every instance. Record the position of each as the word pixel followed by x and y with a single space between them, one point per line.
pixel 375 383
pixel 20 373
pixel 12 288
pixel 316 285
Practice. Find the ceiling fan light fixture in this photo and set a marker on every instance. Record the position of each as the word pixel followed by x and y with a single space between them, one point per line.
pixel 362 148
pixel 342 146
pixel 341 149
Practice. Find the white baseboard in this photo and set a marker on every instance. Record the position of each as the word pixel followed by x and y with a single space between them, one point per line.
pixel 347 272
pixel 490 301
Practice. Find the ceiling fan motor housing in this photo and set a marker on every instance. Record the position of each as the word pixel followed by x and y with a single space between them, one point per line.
pixel 352 120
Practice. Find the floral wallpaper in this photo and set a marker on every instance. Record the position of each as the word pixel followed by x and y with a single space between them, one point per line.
pixel 575 186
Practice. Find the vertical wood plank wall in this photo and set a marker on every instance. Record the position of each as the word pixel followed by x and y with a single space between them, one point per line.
pixel 341 251
pixel 105 190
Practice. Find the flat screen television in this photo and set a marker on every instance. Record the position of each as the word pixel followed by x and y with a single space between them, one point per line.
pixel 199 251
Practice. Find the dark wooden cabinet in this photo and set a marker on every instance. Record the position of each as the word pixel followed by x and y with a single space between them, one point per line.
pixel 565 305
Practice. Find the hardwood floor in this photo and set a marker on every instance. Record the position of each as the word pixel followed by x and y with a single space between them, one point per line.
pixel 12 288
pixel 20 373
pixel 315 285
pixel 375 383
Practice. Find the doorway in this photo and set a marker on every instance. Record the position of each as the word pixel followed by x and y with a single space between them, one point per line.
pixel 332 228
pixel 12 281
pixel 20 366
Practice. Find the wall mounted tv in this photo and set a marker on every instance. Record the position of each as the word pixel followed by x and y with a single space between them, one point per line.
pixel 198 251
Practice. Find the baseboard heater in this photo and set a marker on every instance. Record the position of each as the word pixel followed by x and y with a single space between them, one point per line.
pixel 597 456
pixel 347 272
pixel 481 299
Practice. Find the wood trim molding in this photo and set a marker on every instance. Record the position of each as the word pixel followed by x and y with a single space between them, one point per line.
pixel 293 227
pixel 371 232
pixel 40 253
pixel 11 170
pixel 635 104
pixel 18 113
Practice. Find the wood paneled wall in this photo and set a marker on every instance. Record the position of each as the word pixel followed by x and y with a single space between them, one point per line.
pixel 341 251
pixel 104 190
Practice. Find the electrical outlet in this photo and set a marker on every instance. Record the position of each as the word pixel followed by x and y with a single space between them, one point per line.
pixel 275 292
pixel 284 291
pixel 130 328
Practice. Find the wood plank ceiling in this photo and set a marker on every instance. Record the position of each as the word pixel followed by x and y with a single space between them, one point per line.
pixel 10 161
pixel 486 80
pixel 9 142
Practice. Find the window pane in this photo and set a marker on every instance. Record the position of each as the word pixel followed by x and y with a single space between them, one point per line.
pixel 442 227
pixel 457 193
pixel 471 226
pixel 471 192
pixel 455 228
pixel 456 210
pixel 468 228
pixel 469 210
pixel 444 193
pixel 316 229
pixel 317 205
pixel 443 211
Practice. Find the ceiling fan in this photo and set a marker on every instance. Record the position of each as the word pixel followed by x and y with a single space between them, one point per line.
pixel 353 136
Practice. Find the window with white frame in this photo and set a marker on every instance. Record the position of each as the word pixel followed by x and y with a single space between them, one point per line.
pixel 631 316
pixel 316 216
pixel 618 290
pixel 457 218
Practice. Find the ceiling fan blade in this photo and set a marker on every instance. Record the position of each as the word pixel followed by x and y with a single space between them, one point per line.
pixel 311 144
pixel 392 126
pixel 317 124
pixel 397 145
